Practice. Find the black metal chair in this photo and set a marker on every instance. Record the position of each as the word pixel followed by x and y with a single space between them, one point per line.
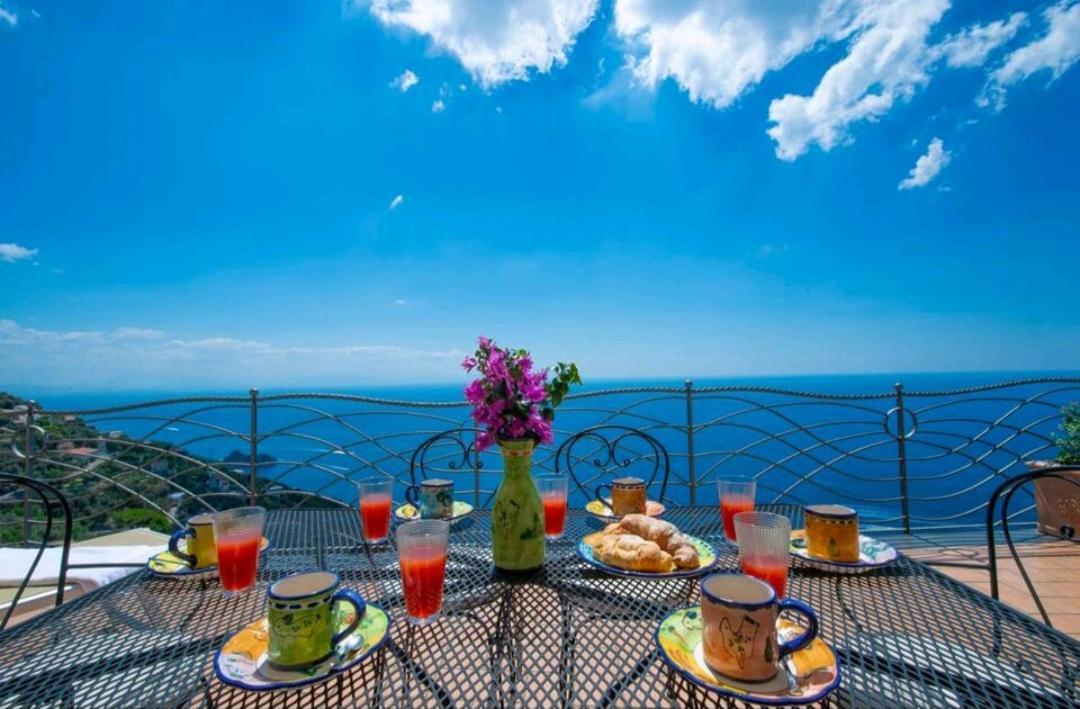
pixel 1005 492
pixel 449 453
pixel 55 505
pixel 614 449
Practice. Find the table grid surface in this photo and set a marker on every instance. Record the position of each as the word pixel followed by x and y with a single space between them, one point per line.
pixel 570 635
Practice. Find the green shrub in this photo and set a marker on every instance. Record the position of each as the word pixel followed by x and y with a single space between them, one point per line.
pixel 141 517
pixel 1069 443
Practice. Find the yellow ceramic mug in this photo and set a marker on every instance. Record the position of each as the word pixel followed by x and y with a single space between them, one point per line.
pixel 832 533
pixel 201 549
pixel 628 496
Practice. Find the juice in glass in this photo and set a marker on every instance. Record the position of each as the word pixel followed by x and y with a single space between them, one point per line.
pixel 238 535
pixel 375 517
pixel 553 494
pixel 730 507
pixel 771 572
pixel 422 547
pixel 422 578
pixel 238 562
pixel 554 515
pixel 764 540
pixel 735 495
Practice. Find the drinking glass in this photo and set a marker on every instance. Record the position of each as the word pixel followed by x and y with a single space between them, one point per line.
pixel 238 535
pixel 374 501
pixel 553 494
pixel 422 555
pixel 736 495
pixel 764 540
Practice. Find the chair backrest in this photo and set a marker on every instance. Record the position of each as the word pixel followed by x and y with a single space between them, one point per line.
pixel 1005 492
pixel 451 454
pixel 609 451
pixel 54 505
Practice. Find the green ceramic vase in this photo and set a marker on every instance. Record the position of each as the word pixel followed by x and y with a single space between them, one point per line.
pixel 517 518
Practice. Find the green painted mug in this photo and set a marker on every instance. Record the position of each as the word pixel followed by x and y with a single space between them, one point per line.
pixel 301 619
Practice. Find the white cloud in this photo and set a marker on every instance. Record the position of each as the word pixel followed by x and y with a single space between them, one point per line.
pixel 401 301
pixel 10 253
pixel 1057 50
pixel 927 166
pixel 715 51
pixel 887 61
pixel 405 81
pixel 971 46
pixel 768 250
pixel 496 42
pixel 9 16
pixel 438 106
pixel 396 202
pixel 137 333
pixel 128 356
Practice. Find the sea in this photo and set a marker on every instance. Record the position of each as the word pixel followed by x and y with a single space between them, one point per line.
pixel 838 444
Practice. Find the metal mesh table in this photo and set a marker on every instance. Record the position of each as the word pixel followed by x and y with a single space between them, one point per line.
pixel 570 635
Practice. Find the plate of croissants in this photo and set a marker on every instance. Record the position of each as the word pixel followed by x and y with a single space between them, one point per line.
pixel 645 547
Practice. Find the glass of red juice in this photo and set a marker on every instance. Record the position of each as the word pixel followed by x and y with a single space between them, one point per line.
pixel 736 495
pixel 374 501
pixel 553 495
pixel 238 537
pixel 764 547
pixel 422 555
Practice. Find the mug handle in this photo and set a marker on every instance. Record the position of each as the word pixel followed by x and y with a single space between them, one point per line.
pixel 412 496
pixel 174 542
pixel 600 495
pixel 347 595
pixel 790 646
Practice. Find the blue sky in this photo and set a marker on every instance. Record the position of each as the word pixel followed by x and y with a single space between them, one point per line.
pixel 221 194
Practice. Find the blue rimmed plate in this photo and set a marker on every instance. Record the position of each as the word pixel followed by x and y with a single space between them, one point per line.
pixel 242 661
pixel 169 565
pixel 706 557
pixel 873 554
pixel 679 638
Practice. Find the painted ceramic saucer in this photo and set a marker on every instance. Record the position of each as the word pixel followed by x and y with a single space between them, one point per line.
pixel 242 662
pixel 706 557
pixel 679 639
pixel 409 512
pixel 603 509
pixel 873 554
pixel 169 565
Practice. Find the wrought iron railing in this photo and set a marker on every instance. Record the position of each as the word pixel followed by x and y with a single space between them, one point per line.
pixel 907 459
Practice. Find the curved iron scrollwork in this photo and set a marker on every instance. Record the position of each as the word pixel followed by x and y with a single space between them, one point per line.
pixel 613 449
pixel 49 498
pixel 463 455
pixel 931 467
pixel 1067 473
pixel 446 453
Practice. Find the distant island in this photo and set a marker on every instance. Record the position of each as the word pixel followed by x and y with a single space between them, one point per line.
pixel 114 482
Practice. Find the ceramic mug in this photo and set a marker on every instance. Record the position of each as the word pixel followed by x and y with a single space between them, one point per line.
pixel 301 618
pixel 627 496
pixel 739 616
pixel 434 498
pixel 832 533
pixel 201 550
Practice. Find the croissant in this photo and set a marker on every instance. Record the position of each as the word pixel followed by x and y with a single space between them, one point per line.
pixel 628 551
pixel 665 535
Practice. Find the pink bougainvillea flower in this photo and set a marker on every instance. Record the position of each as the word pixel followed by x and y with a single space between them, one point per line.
pixel 509 399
